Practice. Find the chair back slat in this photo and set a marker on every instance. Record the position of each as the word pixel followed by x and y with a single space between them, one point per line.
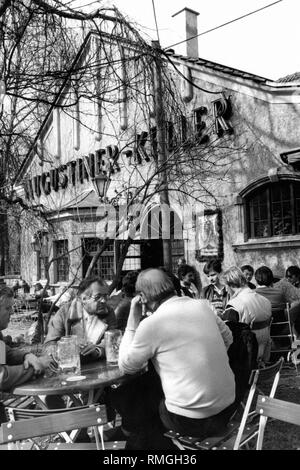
pixel 278 409
pixel 53 423
pixel 25 413
pixel 262 376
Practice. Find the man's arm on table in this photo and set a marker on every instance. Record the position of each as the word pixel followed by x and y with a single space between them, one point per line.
pixel 10 376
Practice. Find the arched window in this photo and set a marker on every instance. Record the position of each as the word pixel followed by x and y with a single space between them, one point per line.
pixel 273 210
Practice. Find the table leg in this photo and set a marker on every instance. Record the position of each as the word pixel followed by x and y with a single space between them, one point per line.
pixel 39 401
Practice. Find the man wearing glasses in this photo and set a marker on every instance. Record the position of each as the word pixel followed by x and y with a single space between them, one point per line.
pixel 88 316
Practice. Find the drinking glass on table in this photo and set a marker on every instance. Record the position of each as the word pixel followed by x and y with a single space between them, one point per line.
pixel 53 367
pixel 112 344
pixel 68 357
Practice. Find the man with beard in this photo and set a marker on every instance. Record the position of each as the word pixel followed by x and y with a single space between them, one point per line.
pixel 88 316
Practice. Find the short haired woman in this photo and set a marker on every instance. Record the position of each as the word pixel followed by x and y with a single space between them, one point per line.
pixel 251 308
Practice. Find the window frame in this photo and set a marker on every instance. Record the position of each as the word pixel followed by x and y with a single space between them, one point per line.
pixel 109 254
pixel 267 186
pixel 63 257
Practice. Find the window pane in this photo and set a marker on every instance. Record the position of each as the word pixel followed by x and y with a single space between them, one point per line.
pixel 281 209
pixel 258 207
pixel 261 229
pixel 62 261
pixel 280 191
pixel 104 267
pixel 280 215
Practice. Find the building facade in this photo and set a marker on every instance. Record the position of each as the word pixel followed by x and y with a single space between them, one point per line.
pixel 243 129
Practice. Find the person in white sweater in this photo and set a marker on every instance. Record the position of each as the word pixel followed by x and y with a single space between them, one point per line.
pixel 183 340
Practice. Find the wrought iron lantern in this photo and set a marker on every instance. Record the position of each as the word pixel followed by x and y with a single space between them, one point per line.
pixel 101 183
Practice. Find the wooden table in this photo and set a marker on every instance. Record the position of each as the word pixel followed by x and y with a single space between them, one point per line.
pixel 98 375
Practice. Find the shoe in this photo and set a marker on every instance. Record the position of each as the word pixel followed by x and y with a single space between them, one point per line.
pixel 115 434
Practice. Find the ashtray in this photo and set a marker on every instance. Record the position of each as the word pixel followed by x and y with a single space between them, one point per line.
pixel 74 378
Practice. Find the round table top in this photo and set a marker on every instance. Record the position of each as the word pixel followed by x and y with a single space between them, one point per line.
pixel 97 374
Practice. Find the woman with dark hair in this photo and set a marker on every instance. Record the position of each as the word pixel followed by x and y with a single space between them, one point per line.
pixel 292 274
pixel 248 272
pixel 186 275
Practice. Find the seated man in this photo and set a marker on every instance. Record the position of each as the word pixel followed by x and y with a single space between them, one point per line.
pixel 88 316
pixel 265 279
pixel 183 341
pixel 16 366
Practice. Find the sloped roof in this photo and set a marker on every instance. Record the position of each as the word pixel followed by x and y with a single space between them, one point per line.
pixel 87 199
pixel 294 77
pixel 220 68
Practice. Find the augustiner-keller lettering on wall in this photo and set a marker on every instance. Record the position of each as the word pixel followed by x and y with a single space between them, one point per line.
pixel 106 160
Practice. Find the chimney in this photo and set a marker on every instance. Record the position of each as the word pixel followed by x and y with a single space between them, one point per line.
pixel 186 25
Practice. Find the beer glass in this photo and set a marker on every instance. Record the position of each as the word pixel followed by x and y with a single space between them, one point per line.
pixel 112 344
pixel 68 355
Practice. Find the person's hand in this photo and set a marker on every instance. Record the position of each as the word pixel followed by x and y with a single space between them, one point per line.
pixel 136 307
pixel 136 312
pixel 89 349
pixel 38 364
pixel 48 362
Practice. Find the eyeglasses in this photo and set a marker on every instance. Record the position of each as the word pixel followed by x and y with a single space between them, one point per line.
pixel 98 297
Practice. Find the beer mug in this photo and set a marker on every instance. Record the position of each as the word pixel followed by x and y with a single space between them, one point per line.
pixel 68 357
pixel 112 344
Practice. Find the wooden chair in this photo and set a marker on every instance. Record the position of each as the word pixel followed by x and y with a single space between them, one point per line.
pixel 238 432
pixel 37 423
pixel 20 415
pixel 268 407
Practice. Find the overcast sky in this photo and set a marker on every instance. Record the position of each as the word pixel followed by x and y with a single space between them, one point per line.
pixel 266 43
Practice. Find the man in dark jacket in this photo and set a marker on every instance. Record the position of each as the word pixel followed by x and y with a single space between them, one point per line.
pixel 16 366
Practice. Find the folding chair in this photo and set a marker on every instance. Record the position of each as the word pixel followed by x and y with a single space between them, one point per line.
pixel 268 407
pixel 37 423
pixel 260 379
pixel 238 433
pixel 17 415
pixel 281 333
